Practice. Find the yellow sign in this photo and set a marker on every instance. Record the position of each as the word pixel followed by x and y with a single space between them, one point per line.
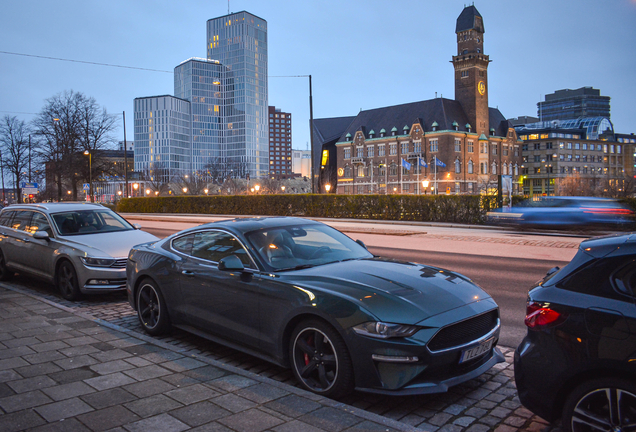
pixel 325 157
pixel 340 172
pixel 481 87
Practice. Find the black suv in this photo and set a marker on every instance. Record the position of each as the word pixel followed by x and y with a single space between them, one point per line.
pixel 578 360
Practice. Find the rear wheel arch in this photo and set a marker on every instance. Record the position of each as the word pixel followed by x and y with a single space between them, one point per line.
pixel 291 326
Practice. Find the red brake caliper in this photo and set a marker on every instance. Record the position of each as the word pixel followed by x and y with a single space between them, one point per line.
pixel 310 341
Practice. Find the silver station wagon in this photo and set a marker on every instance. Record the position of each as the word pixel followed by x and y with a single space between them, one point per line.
pixel 79 247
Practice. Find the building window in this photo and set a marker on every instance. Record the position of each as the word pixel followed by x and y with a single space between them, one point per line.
pixel 393 170
pixel 347 153
pixel 370 151
pixel 381 150
pixel 417 147
pixel 516 169
pixel 434 145
pixel 456 187
pixel 537 146
pixel 470 147
pixel 458 166
pixel 458 145
pixel 505 150
pixel 470 167
pixel 359 152
pixel 493 168
pixel 405 147
pixel 483 167
pixel 548 146
pixel 569 146
pixel 392 149
pixel 382 170
pixel 483 147
pixel 494 149
pixel 347 172
pixel 406 187
pixel 360 171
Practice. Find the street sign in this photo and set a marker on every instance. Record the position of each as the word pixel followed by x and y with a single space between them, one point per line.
pixel 86 186
pixel 28 185
pixel 28 191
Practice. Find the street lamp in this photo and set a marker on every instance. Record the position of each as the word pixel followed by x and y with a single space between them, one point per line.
pixel 185 189
pixel 205 191
pixel 425 185
pixel 156 193
pixel 283 188
pixel 327 187
pixel 90 172
pixel 257 188
pixel 135 187
pixel 147 191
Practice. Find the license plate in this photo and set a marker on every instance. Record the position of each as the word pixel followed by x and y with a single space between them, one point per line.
pixel 477 351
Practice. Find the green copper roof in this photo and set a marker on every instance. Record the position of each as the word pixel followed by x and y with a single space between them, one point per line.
pixel 405 127
pixel 348 135
pixel 468 126
pixel 434 124
pixel 382 130
pixel 455 123
pixel 371 132
pixel 483 137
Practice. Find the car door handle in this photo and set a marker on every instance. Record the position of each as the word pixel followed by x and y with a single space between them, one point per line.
pixel 187 273
pixel 26 240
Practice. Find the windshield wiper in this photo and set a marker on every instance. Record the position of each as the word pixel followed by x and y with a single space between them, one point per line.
pixel 298 267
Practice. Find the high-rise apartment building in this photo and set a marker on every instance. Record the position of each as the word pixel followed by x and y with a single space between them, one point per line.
pixel 239 42
pixel 571 104
pixel 280 150
pixel 218 114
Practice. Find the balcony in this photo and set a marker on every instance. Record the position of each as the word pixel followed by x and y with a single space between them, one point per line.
pixel 358 160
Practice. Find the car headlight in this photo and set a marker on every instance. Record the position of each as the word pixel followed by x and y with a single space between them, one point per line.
pixel 382 330
pixel 98 262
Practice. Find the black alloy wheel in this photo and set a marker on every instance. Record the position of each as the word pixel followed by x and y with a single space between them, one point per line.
pixel 320 359
pixel 5 273
pixel 604 404
pixel 151 309
pixel 67 281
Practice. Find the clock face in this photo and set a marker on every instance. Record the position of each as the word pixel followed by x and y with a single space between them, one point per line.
pixel 481 87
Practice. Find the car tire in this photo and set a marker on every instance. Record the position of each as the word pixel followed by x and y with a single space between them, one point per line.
pixel 606 403
pixel 67 281
pixel 151 308
pixel 5 273
pixel 320 359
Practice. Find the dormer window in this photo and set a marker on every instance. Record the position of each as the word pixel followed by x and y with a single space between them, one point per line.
pixel 468 127
pixel 434 126
pixel 372 133
pixel 455 125
pixel 405 130
pixel 394 131
pixel 348 137
pixel 382 133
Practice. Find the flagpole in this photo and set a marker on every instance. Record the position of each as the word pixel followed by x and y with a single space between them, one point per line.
pixel 401 176
pixel 435 173
pixel 419 192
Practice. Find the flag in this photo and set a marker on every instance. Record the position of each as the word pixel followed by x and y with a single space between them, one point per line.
pixel 439 163
pixel 406 165
pixel 423 162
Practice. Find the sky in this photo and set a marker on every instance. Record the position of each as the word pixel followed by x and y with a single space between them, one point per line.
pixel 362 54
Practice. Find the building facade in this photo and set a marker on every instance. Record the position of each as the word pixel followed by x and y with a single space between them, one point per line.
pixel 571 104
pixel 239 42
pixel 217 119
pixel 280 144
pixel 457 146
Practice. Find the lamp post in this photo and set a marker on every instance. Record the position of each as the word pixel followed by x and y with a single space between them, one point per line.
pixel 119 194
pixel 156 193
pixel 327 187
pixel 148 191
pixel 90 173
pixel 257 188
pixel 425 185
pixel 282 188
pixel 205 191
pixel 135 187
pixel 185 190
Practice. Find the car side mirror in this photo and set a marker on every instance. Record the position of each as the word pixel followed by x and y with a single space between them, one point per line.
pixel 361 243
pixel 41 235
pixel 231 262
pixel 136 226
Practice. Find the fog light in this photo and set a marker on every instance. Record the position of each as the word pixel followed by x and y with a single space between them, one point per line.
pixel 394 359
pixel 98 282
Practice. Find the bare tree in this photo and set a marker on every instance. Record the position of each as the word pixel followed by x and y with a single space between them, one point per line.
pixel 158 178
pixel 14 144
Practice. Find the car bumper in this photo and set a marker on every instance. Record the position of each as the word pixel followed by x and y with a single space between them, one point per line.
pixel 96 280
pixel 408 367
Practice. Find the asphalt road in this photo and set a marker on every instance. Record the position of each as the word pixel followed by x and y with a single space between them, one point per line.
pixel 507 280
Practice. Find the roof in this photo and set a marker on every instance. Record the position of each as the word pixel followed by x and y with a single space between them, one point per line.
pixel 329 129
pixel 57 207
pixel 245 225
pixel 468 20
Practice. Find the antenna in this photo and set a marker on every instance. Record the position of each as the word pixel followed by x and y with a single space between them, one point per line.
pixel 228 7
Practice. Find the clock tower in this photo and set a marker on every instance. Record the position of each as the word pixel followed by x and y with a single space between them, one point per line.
pixel 471 69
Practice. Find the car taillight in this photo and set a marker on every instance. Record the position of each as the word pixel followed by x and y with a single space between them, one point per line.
pixel 539 316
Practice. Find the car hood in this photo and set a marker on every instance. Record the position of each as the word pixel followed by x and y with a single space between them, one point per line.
pixel 115 244
pixel 391 290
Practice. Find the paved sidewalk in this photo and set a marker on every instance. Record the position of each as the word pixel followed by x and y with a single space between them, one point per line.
pixel 64 370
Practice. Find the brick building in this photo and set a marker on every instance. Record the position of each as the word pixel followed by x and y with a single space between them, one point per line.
pixel 435 146
pixel 280 144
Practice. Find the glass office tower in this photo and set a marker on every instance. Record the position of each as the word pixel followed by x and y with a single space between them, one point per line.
pixel 199 81
pixel 239 42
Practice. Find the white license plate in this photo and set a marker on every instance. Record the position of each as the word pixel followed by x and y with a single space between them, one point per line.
pixel 477 351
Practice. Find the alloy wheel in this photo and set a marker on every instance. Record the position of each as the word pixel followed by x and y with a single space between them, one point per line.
pixel 315 360
pixel 149 306
pixel 605 409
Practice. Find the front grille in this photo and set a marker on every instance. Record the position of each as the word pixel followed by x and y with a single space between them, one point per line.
pixel 464 332
pixel 120 263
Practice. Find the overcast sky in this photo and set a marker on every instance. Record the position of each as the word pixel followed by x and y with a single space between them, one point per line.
pixel 362 54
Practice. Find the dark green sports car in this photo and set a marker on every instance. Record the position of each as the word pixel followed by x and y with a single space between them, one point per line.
pixel 303 295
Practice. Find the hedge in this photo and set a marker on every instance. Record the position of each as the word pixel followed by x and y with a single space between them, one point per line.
pixel 466 209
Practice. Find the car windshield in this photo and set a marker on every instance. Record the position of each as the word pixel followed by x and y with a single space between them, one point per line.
pixel 302 246
pixel 81 222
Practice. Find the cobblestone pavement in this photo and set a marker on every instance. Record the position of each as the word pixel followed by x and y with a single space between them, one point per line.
pixel 488 403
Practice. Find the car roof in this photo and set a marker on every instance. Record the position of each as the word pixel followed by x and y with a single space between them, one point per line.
pixel 244 225
pixel 56 207
pixel 622 244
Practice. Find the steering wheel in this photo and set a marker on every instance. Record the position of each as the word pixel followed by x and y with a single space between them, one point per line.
pixel 321 250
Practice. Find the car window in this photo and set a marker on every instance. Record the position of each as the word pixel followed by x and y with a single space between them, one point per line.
pixel 183 244
pixel 599 277
pixel 216 245
pixel 21 220
pixel 5 218
pixel 39 222
pixel 624 279
pixel 89 222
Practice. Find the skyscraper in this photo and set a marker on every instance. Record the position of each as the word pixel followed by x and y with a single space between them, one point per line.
pixel 218 114
pixel 239 42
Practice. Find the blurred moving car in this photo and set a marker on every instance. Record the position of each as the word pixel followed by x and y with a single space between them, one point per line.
pixel 303 295
pixel 79 247
pixel 578 360
pixel 564 212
